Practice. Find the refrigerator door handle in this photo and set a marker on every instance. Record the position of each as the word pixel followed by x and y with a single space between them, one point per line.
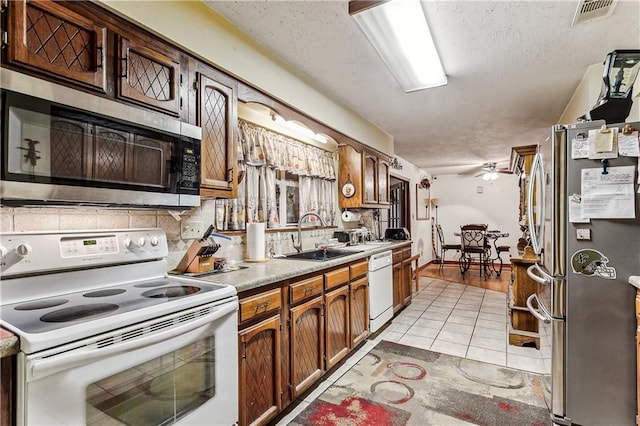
pixel 544 316
pixel 541 277
pixel 537 170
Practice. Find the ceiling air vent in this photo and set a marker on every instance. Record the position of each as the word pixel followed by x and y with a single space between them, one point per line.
pixel 592 9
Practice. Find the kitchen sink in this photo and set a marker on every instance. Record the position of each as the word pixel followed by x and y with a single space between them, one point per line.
pixel 321 255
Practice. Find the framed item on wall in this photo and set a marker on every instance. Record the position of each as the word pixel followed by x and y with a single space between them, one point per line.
pixel 423 203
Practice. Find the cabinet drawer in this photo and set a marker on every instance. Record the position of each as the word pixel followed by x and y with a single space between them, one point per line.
pixel 304 289
pixel 259 304
pixel 406 253
pixel 335 278
pixel 359 269
pixel 397 256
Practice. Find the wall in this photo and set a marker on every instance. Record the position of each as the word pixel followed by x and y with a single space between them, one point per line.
pixel 460 203
pixel 25 219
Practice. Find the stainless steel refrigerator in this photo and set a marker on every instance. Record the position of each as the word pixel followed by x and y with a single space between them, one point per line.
pixel 583 296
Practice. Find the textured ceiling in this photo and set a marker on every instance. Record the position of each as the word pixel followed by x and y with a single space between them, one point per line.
pixel 512 68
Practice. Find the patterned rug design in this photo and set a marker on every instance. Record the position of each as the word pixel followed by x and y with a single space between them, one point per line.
pixel 400 385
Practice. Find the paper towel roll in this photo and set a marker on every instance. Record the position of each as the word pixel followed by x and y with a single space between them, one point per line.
pixel 255 240
pixel 348 216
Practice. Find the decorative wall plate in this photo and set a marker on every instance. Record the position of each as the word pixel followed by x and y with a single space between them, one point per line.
pixel 348 189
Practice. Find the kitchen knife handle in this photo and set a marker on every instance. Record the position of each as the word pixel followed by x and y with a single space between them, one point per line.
pixel 208 232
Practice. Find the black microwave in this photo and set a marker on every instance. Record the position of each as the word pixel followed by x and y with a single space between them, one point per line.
pixel 63 146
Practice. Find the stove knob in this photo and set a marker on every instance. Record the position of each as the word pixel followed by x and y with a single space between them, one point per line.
pixel 3 251
pixel 141 241
pixel 128 243
pixel 154 241
pixel 23 250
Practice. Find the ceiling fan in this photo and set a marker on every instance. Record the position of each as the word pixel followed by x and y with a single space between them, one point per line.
pixel 489 171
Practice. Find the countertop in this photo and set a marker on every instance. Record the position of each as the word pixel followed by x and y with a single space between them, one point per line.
pixel 634 280
pixel 276 269
pixel 9 344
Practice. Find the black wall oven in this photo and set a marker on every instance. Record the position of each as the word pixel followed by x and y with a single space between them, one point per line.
pixel 62 146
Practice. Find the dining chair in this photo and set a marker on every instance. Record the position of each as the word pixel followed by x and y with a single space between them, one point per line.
pixel 444 247
pixel 473 244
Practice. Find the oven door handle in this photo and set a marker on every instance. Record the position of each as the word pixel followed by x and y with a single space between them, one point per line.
pixel 46 366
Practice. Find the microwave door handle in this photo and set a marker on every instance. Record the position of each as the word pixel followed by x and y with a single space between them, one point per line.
pixel 45 367
pixel 536 237
pixel 543 278
pixel 544 316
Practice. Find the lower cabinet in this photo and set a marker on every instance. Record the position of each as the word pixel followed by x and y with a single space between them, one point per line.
pixel 260 373
pixel 406 276
pixel 402 275
pixel 293 333
pixel 359 305
pixel 336 325
pixel 307 345
pixel 523 326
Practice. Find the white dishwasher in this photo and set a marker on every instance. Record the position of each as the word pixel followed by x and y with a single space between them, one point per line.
pixel 380 289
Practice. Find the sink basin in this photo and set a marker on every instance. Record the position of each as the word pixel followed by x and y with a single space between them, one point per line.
pixel 321 255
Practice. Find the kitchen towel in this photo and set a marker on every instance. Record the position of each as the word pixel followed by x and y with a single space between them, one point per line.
pixel 255 240
pixel 348 216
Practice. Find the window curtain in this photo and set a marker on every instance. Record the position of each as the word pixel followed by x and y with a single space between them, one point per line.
pixel 261 153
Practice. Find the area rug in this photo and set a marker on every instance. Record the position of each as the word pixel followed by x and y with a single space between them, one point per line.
pixel 400 385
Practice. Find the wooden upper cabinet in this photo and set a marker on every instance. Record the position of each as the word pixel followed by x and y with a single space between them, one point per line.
pixel 369 174
pixel 47 37
pixel 349 171
pixel 370 181
pixel 383 182
pixel 149 75
pixel 217 115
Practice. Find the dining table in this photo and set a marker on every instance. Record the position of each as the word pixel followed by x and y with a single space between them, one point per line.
pixel 494 263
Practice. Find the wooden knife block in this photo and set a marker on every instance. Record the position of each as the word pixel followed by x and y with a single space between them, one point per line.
pixel 201 264
pixel 193 262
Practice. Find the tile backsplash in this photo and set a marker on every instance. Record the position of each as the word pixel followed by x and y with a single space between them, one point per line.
pixel 25 219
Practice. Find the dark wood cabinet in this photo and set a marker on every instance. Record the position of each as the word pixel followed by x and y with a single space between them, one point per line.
pixel 327 317
pixel 406 277
pixel 523 326
pixel 260 372
pixel 47 37
pixel 218 117
pixel 369 181
pixel 402 278
pixel 337 324
pixel 86 47
pixel 383 182
pixel 149 75
pixel 307 345
pixel 369 174
pixel 397 287
pixel 359 330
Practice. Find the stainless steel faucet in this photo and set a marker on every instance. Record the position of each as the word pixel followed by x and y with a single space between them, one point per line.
pixel 298 246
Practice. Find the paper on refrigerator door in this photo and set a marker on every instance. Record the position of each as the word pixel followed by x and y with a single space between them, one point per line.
pixel 629 145
pixel 575 209
pixel 608 196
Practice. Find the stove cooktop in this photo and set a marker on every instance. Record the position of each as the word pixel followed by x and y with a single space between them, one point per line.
pixel 47 314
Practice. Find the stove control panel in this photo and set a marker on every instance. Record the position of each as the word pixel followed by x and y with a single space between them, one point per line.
pixel 34 252
pixel 74 246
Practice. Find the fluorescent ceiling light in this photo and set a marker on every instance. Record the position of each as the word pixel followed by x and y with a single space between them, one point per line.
pixel 398 31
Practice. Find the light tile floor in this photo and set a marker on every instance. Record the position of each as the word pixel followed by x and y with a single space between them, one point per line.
pixel 455 319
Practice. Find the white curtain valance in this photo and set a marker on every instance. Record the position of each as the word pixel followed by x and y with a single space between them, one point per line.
pixel 263 147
